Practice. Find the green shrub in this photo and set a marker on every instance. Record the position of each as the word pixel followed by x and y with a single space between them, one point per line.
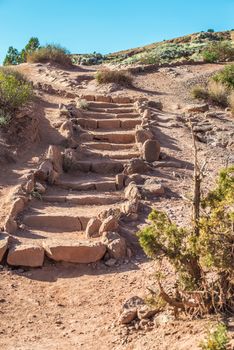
pixel 50 53
pixel 218 51
pixel 200 92
pixel 120 77
pixel 15 92
pixel 216 339
pixel 196 254
pixel 226 76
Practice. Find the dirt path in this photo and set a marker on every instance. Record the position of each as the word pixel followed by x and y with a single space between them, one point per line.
pixel 76 306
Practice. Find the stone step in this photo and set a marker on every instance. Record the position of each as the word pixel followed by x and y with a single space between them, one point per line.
pixel 104 184
pixel 116 154
pixel 85 199
pixel 115 137
pixel 105 115
pixel 73 251
pixel 112 110
pixel 98 166
pixel 110 146
pixel 108 124
pixel 61 217
pixel 96 104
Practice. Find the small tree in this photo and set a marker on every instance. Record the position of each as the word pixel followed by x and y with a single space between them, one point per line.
pixel 13 57
pixel 32 45
pixel 202 254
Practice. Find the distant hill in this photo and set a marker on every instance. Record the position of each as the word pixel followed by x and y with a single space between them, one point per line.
pixel 185 47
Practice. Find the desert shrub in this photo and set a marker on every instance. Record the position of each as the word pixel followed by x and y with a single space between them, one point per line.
pixel 15 92
pixel 83 104
pixel 50 53
pixel 231 101
pixel 226 76
pixel 200 92
pixel 216 339
pixel 218 51
pixel 120 77
pixel 205 249
pixel 210 30
pixel 218 93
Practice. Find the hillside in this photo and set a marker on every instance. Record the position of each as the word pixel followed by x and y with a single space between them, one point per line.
pixel 187 47
pixel 82 166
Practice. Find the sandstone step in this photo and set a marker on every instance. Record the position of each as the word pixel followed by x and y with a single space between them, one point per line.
pixel 76 252
pixel 99 166
pixel 115 154
pixel 85 199
pixel 110 146
pixel 108 124
pixel 61 217
pixel 107 115
pixel 73 251
pixel 96 104
pixel 115 137
pixel 101 184
pixel 112 110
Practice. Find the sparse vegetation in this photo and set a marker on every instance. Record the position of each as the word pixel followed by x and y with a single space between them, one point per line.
pixel 50 53
pixel 199 252
pixel 120 77
pixel 200 92
pixel 83 104
pixel 218 52
pixel 217 93
pixel 15 92
pixel 217 339
pixel 226 76
pixel 219 89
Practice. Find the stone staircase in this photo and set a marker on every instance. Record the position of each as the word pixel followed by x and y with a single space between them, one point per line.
pixel 55 220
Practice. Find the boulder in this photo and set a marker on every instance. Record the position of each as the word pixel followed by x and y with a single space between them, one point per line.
pixel 40 188
pixel 116 245
pixel 143 135
pixel 136 165
pixel 120 181
pixel 109 224
pixel 127 316
pixel 46 172
pixel 26 255
pixel 196 108
pixel 154 189
pixel 55 155
pixel 131 192
pixel 130 207
pixel 129 309
pixel 4 238
pixel 117 248
pixel 76 252
pixel 66 129
pixel 92 228
pixel 10 225
pixel 29 186
pixel 151 150
pixel 147 114
pixel 16 207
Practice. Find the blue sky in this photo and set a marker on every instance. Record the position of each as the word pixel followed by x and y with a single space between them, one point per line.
pixel 107 25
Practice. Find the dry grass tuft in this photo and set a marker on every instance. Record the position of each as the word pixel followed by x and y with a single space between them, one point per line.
pixel 218 93
pixel 50 53
pixel 119 77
